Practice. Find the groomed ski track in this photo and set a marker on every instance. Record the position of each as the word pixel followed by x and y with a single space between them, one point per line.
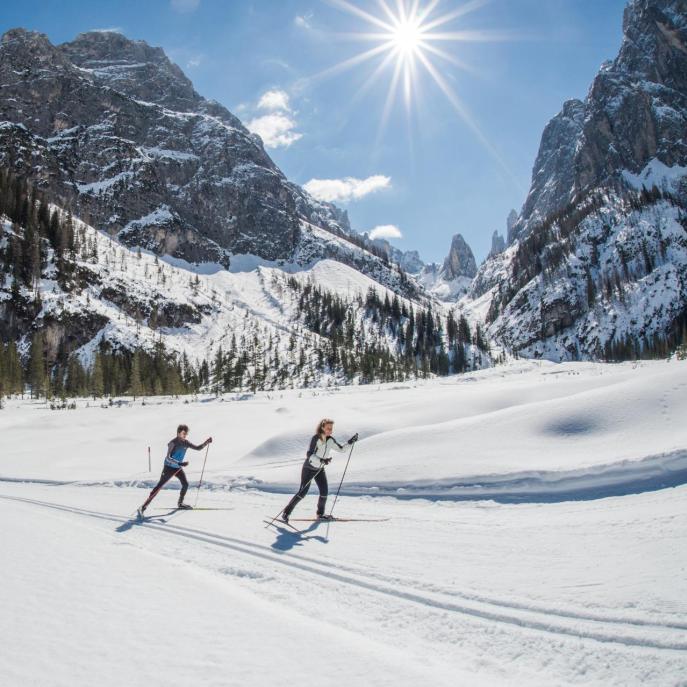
pixel 442 612
pixel 479 607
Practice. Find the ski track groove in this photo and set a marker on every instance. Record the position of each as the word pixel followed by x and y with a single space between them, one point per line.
pixel 382 585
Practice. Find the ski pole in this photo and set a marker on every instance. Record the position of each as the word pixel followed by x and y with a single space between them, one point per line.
pixel 350 453
pixel 307 485
pixel 202 472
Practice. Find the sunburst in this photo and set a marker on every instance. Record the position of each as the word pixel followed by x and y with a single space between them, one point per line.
pixel 408 37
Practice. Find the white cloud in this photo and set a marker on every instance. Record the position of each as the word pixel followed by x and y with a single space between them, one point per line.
pixel 386 231
pixel 347 189
pixel 114 29
pixel 274 99
pixel 194 62
pixel 276 130
pixel 303 22
pixel 185 6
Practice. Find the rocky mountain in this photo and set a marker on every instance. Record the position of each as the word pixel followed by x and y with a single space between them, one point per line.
pixel 86 314
pixel 498 244
pixel 446 281
pixel 116 132
pixel 460 261
pixel 635 113
pixel 451 279
pixel 597 261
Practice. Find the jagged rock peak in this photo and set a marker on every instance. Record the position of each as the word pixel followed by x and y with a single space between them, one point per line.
pixel 135 68
pixel 498 244
pixel 21 35
pixel 23 49
pixel 555 161
pixel 633 117
pixel 511 219
pixel 460 261
pixel 94 47
pixel 653 31
pixel 511 224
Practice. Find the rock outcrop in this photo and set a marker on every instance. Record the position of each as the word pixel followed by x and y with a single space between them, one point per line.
pixel 116 131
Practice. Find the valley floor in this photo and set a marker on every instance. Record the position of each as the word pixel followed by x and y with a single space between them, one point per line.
pixel 441 594
pixel 443 591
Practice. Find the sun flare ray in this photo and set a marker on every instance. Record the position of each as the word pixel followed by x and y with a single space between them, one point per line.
pixel 354 9
pixel 408 34
pixel 348 64
pixel 461 11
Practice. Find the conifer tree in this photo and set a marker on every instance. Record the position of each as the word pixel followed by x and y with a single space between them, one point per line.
pixel 97 379
pixel 135 384
pixel 37 372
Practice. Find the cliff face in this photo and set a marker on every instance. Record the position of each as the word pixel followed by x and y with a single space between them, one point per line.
pixel 116 131
pixel 635 112
pixel 597 261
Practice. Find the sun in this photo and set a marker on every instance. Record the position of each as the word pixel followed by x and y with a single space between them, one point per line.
pixel 407 37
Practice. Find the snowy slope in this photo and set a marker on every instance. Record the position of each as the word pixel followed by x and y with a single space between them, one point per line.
pixel 620 276
pixel 525 420
pixel 133 298
pixel 522 561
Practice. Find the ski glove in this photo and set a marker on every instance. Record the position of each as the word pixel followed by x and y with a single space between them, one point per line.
pixel 184 464
pixel 325 461
pixel 353 439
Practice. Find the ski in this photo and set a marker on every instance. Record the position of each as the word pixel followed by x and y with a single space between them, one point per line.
pixel 341 520
pixel 194 508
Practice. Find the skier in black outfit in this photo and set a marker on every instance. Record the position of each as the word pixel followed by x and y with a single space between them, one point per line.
pixel 174 464
pixel 316 458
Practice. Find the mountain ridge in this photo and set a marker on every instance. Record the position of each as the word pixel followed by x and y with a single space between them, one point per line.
pixel 596 265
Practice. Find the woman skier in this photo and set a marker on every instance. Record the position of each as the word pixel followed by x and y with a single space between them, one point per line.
pixel 316 458
pixel 174 464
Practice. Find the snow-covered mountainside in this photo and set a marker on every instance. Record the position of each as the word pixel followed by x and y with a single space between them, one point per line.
pixel 634 116
pixel 597 261
pixel 139 323
pixel 141 219
pixel 113 130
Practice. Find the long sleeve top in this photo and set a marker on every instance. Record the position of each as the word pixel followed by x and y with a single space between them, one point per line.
pixel 320 449
pixel 176 451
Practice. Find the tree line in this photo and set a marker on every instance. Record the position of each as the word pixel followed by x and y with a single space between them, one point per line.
pixel 373 339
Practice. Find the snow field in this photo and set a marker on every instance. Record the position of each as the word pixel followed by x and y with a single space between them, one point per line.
pixel 440 594
pixel 458 587
pixel 525 421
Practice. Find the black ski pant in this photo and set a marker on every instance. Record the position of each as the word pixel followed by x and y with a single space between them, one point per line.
pixel 308 474
pixel 167 474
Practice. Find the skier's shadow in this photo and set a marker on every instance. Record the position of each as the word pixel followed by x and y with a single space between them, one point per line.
pixel 287 538
pixel 126 526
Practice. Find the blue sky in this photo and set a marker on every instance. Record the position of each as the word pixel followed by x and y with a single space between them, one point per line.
pixel 426 171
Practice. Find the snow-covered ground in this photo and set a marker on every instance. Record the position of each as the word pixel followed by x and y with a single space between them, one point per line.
pixel 534 532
